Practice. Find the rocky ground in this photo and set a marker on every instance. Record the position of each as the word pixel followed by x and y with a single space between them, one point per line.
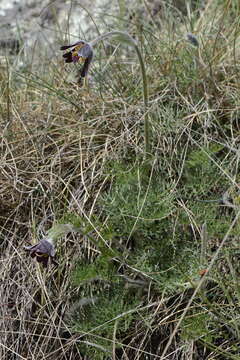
pixel 41 25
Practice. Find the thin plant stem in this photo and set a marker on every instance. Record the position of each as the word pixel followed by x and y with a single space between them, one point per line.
pixel 8 91
pixel 122 11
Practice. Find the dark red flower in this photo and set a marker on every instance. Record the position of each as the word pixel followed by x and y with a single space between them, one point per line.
pixel 43 251
pixel 81 51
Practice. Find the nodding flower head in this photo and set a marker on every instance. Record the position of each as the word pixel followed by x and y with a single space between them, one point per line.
pixel 81 51
pixel 192 39
pixel 43 251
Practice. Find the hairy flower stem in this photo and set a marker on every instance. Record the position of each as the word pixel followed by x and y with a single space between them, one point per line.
pixel 130 40
pixel 59 230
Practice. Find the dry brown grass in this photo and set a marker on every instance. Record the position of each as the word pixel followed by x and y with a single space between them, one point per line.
pixel 52 159
pixel 56 145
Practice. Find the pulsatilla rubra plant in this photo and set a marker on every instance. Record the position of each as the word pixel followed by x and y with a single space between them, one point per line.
pixel 82 51
pixel 43 251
